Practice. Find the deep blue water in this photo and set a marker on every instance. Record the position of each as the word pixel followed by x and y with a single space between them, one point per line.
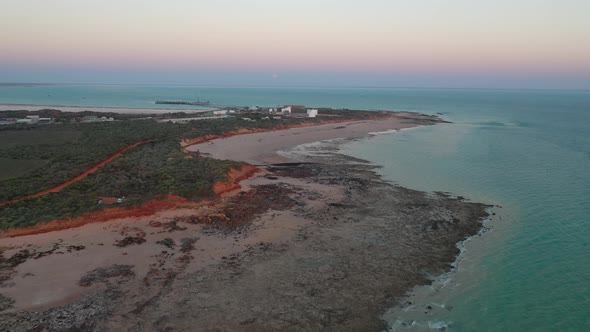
pixel 528 151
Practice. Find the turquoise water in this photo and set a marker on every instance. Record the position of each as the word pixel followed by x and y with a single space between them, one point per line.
pixel 528 151
pixel 145 96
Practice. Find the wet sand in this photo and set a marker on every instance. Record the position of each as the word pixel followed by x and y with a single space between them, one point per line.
pixel 324 245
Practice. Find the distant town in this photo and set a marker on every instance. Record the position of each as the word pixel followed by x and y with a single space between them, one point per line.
pixel 291 111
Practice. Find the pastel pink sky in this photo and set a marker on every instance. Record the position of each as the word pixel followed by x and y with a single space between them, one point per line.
pixel 536 37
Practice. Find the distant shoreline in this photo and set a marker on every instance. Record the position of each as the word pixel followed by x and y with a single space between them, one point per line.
pixel 105 109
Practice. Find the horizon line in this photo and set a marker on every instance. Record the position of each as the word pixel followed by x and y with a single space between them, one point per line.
pixel 7 84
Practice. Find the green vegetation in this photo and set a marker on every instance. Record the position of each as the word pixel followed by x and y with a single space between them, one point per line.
pixel 10 168
pixel 152 169
pixel 45 135
pixel 96 142
pixel 38 157
pixel 146 172
pixel 23 136
pixel 45 208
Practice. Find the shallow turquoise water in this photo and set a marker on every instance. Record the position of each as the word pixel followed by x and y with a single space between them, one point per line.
pixel 528 151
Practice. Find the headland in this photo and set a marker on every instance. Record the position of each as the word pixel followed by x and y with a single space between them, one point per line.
pixel 312 243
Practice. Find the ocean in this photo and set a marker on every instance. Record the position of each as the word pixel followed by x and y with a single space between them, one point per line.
pixel 527 151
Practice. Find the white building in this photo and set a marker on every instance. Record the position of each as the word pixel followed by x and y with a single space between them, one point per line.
pixel 286 110
pixel 271 110
pixel 224 112
pixel 312 113
pixel 33 118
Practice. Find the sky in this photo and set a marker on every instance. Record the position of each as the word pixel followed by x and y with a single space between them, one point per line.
pixel 382 43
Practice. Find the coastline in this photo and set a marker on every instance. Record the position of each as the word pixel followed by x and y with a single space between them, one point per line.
pixel 429 306
pixel 104 109
pixel 262 147
pixel 330 223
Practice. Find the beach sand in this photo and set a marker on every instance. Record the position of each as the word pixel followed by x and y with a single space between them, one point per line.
pixel 262 148
pixel 324 245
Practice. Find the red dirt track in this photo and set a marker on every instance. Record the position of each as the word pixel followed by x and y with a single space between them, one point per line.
pixel 87 172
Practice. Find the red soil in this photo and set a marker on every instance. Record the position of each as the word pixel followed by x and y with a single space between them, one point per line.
pixel 89 171
pixel 234 176
pixel 146 209
pixel 149 208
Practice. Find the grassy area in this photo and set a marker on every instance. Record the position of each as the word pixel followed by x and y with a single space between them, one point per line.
pixel 12 168
pixel 48 135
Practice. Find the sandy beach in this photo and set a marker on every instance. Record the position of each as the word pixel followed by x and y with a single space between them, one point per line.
pixel 262 148
pixel 26 107
pixel 320 245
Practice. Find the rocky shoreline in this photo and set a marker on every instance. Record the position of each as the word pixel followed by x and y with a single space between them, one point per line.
pixel 320 245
